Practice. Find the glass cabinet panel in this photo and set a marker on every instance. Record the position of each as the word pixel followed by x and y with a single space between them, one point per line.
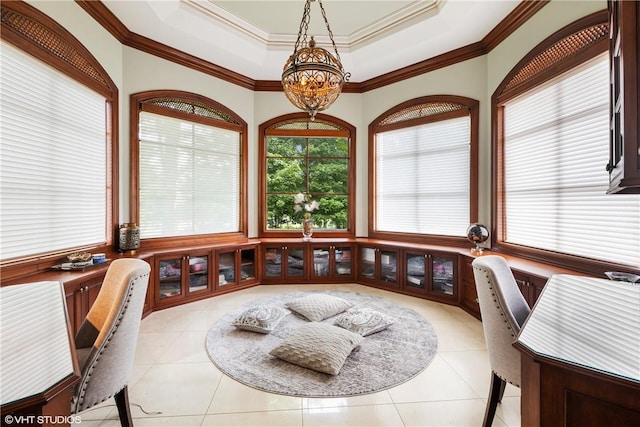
pixel 415 268
pixel 368 263
pixel 321 262
pixel 442 275
pixel 247 264
pixel 198 273
pixel 388 266
pixel 295 262
pixel 342 257
pixel 226 268
pixel 170 274
pixel 273 262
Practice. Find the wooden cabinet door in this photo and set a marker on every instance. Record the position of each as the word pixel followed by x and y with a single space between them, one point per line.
pixel 378 265
pixel 443 276
pixel 169 274
pixel 235 266
pixel 624 58
pixel 197 268
pixel 284 263
pixel 182 275
pixel 530 286
pixel 469 297
pixel 331 263
pixel 79 298
pixel 416 272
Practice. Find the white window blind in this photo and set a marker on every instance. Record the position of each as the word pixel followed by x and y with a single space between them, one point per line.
pixel 52 159
pixel 422 178
pixel 555 151
pixel 189 178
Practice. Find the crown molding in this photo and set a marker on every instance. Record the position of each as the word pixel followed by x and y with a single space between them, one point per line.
pixel 98 11
pixel 523 12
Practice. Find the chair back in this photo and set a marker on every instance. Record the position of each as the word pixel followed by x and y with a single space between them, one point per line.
pixel 106 340
pixel 503 310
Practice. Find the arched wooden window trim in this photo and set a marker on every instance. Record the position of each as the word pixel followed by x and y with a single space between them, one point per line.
pixel 570 46
pixel 338 128
pixel 195 108
pixel 38 35
pixel 414 112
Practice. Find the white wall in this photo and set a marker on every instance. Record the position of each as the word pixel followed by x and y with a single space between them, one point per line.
pixel 134 71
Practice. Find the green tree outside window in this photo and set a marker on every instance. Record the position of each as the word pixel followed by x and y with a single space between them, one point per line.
pixel 316 166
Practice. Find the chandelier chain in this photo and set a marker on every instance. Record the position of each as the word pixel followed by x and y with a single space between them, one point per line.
pixel 324 15
pixel 304 27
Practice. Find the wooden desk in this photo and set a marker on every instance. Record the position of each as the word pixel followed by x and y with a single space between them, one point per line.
pixel 581 354
pixel 38 365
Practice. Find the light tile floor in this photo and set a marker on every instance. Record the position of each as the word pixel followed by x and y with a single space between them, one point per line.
pixel 175 381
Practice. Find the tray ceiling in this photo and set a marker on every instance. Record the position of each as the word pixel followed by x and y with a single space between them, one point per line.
pixel 254 38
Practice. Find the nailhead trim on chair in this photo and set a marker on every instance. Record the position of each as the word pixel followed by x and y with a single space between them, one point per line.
pixel 84 384
pixel 502 314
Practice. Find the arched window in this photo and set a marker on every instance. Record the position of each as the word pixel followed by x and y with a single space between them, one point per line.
pixel 58 142
pixel 551 133
pixel 313 158
pixel 189 166
pixel 423 170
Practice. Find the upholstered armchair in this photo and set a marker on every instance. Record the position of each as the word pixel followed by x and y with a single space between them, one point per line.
pixel 503 310
pixel 106 340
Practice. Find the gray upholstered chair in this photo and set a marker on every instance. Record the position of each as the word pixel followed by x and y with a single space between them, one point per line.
pixel 503 310
pixel 106 340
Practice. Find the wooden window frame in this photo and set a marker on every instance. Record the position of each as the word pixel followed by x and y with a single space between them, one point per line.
pixel 38 35
pixel 395 118
pixel 593 31
pixel 347 130
pixel 222 117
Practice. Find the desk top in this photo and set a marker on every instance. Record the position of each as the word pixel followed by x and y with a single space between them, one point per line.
pixel 588 322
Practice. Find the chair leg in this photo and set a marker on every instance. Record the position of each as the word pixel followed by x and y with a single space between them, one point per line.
pixel 503 386
pixel 122 403
pixel 495 391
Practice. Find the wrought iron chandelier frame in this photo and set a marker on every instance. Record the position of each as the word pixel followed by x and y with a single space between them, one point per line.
pixel 312 77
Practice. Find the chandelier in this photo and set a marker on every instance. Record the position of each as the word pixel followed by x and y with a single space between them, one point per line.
pixel 313 78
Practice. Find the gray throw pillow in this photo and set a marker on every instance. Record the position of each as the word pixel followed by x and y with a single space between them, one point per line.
pixel 364 321
pixel 262 319
pixel 318 346
pixel 317 307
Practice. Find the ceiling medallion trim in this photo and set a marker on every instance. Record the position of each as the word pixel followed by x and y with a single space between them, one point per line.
pixel 400 19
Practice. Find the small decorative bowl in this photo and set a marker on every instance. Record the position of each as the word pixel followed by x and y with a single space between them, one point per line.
pixel 622 276
pixel 79 257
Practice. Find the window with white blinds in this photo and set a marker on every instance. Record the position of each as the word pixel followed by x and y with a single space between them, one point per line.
pixel 53 174
pixel 422 178
pixel 555 152
pixel 189 177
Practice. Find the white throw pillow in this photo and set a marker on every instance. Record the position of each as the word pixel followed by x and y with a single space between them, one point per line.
pixel 262 319
pixel 317 307
pixel 318 346
pixel 364 321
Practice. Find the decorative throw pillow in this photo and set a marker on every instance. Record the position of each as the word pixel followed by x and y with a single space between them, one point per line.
pixel 261 319
pixel 318 346
pixel 364 321
pixel 317 307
